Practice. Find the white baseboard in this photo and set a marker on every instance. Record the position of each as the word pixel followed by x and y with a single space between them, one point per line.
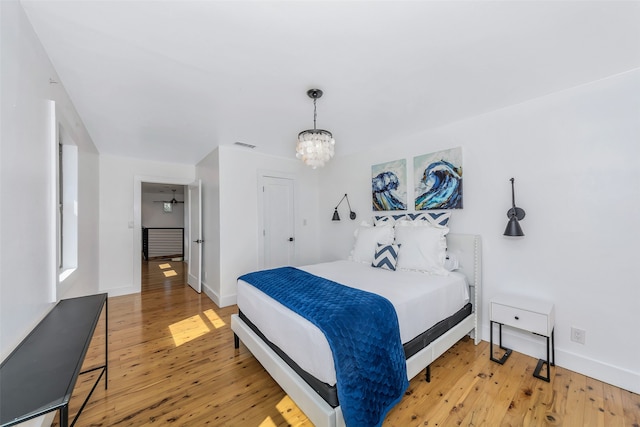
pixel 116 292
pixel 535 346
pixel 215 297
pixel 211 294
pixel 602 371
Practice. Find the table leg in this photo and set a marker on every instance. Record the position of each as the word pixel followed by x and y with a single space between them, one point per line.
pixel 64 416
pixel 106 343
pixel 548 362
pixel 508 351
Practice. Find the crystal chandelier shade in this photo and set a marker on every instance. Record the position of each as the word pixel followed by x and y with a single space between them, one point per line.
pixel 315 146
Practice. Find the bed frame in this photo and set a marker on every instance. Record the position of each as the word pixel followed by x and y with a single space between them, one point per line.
pixel 468 250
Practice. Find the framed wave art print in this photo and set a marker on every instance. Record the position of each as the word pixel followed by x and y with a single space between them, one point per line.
pixel 389 186
pixel 438 180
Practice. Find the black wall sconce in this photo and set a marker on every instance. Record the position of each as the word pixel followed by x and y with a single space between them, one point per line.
pixel 514 214
pixel 336 217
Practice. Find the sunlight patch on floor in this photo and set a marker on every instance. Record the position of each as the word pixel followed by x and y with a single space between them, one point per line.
pixel 188 329
pixel 215 320
pixel 170 273
pixel 164 266
pixel 268 422
pixel 284 407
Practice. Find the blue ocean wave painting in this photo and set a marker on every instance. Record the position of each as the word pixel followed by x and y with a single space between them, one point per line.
pixel 384 197
pixel 440 187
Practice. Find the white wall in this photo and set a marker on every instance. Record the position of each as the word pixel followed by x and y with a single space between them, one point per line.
pixel 575 156
pixel 120 228
pixel 153 214
pixel 27 235
pixel 230 187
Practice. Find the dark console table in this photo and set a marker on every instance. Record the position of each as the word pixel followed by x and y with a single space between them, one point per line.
pixel 39 375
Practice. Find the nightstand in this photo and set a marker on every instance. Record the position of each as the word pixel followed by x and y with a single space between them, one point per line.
pixel 528 314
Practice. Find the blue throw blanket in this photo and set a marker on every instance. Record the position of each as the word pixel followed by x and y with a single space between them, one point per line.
pixel 362 331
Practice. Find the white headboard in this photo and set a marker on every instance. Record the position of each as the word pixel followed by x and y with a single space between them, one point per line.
pixel 468 250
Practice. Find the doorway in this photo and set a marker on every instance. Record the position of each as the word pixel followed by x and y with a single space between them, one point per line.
pixel 163 221
pixel 164 232
pixel 158 209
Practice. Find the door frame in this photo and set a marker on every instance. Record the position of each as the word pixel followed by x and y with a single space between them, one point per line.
pixel 195 186
pixel 137 220
pixel 262 174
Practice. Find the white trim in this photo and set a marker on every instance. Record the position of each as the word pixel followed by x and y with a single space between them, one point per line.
pixel 52 264
pixel 125 290
pixel 194 280
pixel 228 300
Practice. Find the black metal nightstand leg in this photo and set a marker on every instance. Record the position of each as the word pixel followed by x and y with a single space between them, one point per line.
pixel 553 350
pixel 508 351
pixel 64 416
pixel 549 362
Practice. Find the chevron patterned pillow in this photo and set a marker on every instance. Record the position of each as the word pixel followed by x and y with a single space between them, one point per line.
pixel 386 256
pixel 437 219
pixel 388 219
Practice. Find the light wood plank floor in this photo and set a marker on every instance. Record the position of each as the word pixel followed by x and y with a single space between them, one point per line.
pixel 172 362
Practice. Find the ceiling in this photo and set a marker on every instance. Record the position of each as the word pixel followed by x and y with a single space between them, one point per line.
pixel 172 80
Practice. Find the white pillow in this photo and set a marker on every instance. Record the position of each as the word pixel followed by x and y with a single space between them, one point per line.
pixel 367 239
pixel 422 247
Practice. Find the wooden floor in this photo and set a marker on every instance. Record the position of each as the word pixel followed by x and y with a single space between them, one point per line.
pixel 172 362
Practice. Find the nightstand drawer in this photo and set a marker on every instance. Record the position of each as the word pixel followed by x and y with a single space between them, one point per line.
pixel 520 318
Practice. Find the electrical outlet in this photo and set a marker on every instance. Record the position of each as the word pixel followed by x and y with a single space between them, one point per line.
pixel 578 335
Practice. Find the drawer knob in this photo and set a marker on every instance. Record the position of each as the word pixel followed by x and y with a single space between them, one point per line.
pixel 516 317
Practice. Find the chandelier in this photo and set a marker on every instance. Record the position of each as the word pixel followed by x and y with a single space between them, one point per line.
pixel 315 146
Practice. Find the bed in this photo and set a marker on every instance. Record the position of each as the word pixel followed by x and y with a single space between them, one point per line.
pixel 266 327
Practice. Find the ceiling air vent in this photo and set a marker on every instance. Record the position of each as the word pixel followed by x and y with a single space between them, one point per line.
pixel 244 144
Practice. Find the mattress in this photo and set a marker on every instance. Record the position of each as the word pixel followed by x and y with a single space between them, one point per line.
pixel 420 300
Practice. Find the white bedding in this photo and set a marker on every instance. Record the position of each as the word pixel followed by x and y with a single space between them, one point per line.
pixel 421 300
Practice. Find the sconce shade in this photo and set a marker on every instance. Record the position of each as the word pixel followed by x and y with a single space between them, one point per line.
pixel 336 217
pixel 513 227
pixel 514 214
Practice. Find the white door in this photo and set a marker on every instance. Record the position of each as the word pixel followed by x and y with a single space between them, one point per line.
pixel 195 236
pixel 278 222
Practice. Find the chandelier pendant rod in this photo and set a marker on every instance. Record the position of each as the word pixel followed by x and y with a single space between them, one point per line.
pixel 315 113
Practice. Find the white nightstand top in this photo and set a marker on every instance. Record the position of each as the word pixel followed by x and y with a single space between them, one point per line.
pixel 526 303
